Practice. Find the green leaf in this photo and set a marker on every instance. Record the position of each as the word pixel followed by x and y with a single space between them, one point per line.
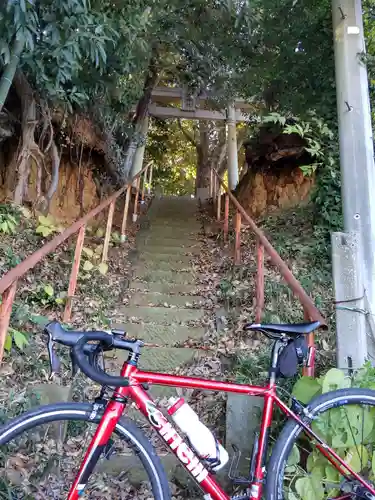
pixel 306 388
pixel 357 458
pixel 8 342
pixel 87 266
pixel 335 379
pixel 294 457
pixel 45 221
pixel 19 339
pixel 88 251
pixel 48 289
pixel 332 474
pixel 39 319
pixel 309 488
pixel 43 230
pixel 103 268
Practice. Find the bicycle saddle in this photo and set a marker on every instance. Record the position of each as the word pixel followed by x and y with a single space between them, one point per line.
pixel 292 330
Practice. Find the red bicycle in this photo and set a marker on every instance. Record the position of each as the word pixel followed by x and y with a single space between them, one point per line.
pixel 325 449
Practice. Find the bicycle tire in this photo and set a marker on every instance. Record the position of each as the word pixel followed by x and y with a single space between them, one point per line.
pixel 126 429
pixel 291 431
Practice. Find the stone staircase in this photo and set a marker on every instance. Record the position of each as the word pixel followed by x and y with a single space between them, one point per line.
pixel 164 307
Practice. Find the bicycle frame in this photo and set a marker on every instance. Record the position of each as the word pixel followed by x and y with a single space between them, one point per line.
pixel 137 393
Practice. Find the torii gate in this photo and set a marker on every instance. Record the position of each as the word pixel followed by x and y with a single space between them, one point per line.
pixel 192 108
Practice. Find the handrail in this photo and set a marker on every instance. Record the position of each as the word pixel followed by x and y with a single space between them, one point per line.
pixel 8 283
pixel 311 312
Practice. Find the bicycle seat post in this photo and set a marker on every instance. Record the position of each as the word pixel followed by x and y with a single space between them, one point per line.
pixel 276 348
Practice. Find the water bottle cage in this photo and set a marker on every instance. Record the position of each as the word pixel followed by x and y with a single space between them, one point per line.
pixel 213 462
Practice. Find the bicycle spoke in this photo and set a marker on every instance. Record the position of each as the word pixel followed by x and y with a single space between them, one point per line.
pixel 43 466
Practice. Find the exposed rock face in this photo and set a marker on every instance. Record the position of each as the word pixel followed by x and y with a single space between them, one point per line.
pixel 273 179
pixel 76 193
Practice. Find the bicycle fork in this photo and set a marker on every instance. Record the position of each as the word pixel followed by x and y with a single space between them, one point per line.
pixel 102 436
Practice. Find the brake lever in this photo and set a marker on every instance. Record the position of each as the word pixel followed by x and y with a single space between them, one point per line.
pixel 54 361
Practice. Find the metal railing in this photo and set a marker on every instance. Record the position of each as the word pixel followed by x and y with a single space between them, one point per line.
pixel 8 283
pixel 311 312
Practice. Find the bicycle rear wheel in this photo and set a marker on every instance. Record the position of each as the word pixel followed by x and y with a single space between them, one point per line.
pixel 345 420
pixel 42 450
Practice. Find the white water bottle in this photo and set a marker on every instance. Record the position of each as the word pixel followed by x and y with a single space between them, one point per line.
pixel 200 437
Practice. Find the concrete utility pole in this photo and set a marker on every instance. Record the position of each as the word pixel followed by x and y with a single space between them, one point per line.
pixel 356 141
pixel 232 148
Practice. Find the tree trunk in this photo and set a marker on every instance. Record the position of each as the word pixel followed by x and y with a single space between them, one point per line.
pixel 203 164
pixel 27 147
pixel 140 114
pixel 10 70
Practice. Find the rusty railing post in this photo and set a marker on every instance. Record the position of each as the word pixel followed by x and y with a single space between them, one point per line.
pixel 108 231
pixel 309 371
pixel 259 283
pixel 218 205
pixel 144 184
pixel 125 216
pixel 226 217
pixel 150 179
pixel 135 212
pixel 74 275
pixel 214 193
pixel 5 313
pixel 237 240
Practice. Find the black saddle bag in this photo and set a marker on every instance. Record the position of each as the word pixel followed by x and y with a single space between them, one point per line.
pixel 294 355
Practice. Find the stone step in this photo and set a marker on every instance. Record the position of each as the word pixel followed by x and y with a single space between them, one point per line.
pixel 129 466
pixel 165 265
pixel 170 288
pixel 160 239
pixel 159 299
pixel 169 245
pixel 183 222
pixel 155 258
pixel 157 276
pixel 162 315
pixel 169 249
pixel 163 359
pixel 187 238
pixel 173 215
pixel 160 334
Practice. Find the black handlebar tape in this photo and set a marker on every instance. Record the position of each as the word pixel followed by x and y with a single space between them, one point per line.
pixel 98 376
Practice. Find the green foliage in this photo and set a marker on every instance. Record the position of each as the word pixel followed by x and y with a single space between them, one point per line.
pixel 47 226
pixel 66 41
pixel 92 261
pixel 19 339
pixel 321 144
pixel 9 219
pixel 349 430
pixel 174 157
pixel 11 259
pixel 46 296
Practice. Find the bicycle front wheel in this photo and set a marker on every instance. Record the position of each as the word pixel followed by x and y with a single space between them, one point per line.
pixel 41 452
pixel 345 420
